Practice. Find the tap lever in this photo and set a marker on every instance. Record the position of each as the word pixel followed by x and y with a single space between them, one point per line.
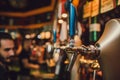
pixel 92 51
pixel 72 60
pixel 73 57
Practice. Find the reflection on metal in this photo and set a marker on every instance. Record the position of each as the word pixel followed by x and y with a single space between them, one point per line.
pixel 107 50
pixel 109 45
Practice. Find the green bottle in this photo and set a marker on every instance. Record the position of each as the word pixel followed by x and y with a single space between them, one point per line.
pixel 94 30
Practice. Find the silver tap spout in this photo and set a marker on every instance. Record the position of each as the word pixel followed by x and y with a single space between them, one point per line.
pixel 74 55
pixel 91 51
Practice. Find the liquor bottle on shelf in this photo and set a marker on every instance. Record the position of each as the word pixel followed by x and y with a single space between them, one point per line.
pixel 94 30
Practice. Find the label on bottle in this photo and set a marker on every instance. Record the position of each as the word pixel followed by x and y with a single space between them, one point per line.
pixel 94 32
pixel 95 27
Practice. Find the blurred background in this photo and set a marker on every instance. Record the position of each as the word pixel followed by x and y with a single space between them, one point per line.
pixel 46 23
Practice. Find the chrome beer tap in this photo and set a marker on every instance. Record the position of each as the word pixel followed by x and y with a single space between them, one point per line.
pixel 106 50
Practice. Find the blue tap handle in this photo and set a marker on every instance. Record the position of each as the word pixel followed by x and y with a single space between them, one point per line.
pixel 54 35
pixel 72 20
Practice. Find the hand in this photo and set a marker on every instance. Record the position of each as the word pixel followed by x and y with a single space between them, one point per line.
pixel 36 67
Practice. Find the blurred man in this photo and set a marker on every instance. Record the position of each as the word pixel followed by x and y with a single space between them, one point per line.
pixel 6 51
pixel 25 61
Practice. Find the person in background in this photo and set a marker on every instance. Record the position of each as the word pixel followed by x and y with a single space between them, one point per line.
pixel 25 63
pixel 6 52
pixel 14 65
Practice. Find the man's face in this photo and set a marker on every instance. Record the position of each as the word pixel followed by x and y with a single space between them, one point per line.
pixel 7 48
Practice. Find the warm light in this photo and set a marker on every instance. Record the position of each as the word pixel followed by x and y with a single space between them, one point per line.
pixel 60 21
pixel 27 36
pixel 64 15
pixel 42 35
pixel 18 35
pixel 32 35
pixel 47 35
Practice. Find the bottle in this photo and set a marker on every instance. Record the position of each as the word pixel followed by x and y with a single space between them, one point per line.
pixel 94 30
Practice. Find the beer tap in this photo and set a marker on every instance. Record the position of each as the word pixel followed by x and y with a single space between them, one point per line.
pixel 91 51
pixel 106 50
pixel 71 5
pixel 60 58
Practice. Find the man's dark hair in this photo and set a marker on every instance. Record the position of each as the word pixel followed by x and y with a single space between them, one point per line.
pixel 4 35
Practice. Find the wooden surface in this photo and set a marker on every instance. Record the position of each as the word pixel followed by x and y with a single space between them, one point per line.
pixel 39 74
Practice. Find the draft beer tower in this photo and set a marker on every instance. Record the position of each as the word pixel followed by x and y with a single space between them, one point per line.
pixel 107 50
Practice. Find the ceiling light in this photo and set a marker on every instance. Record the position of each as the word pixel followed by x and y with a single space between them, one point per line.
pixel 64 15
pixel 27 36
pixel 60 21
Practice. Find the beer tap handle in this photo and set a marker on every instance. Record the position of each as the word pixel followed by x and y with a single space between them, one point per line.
pixel 94 74
pixel 92 51
pixel 73 57
pixel 72 60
